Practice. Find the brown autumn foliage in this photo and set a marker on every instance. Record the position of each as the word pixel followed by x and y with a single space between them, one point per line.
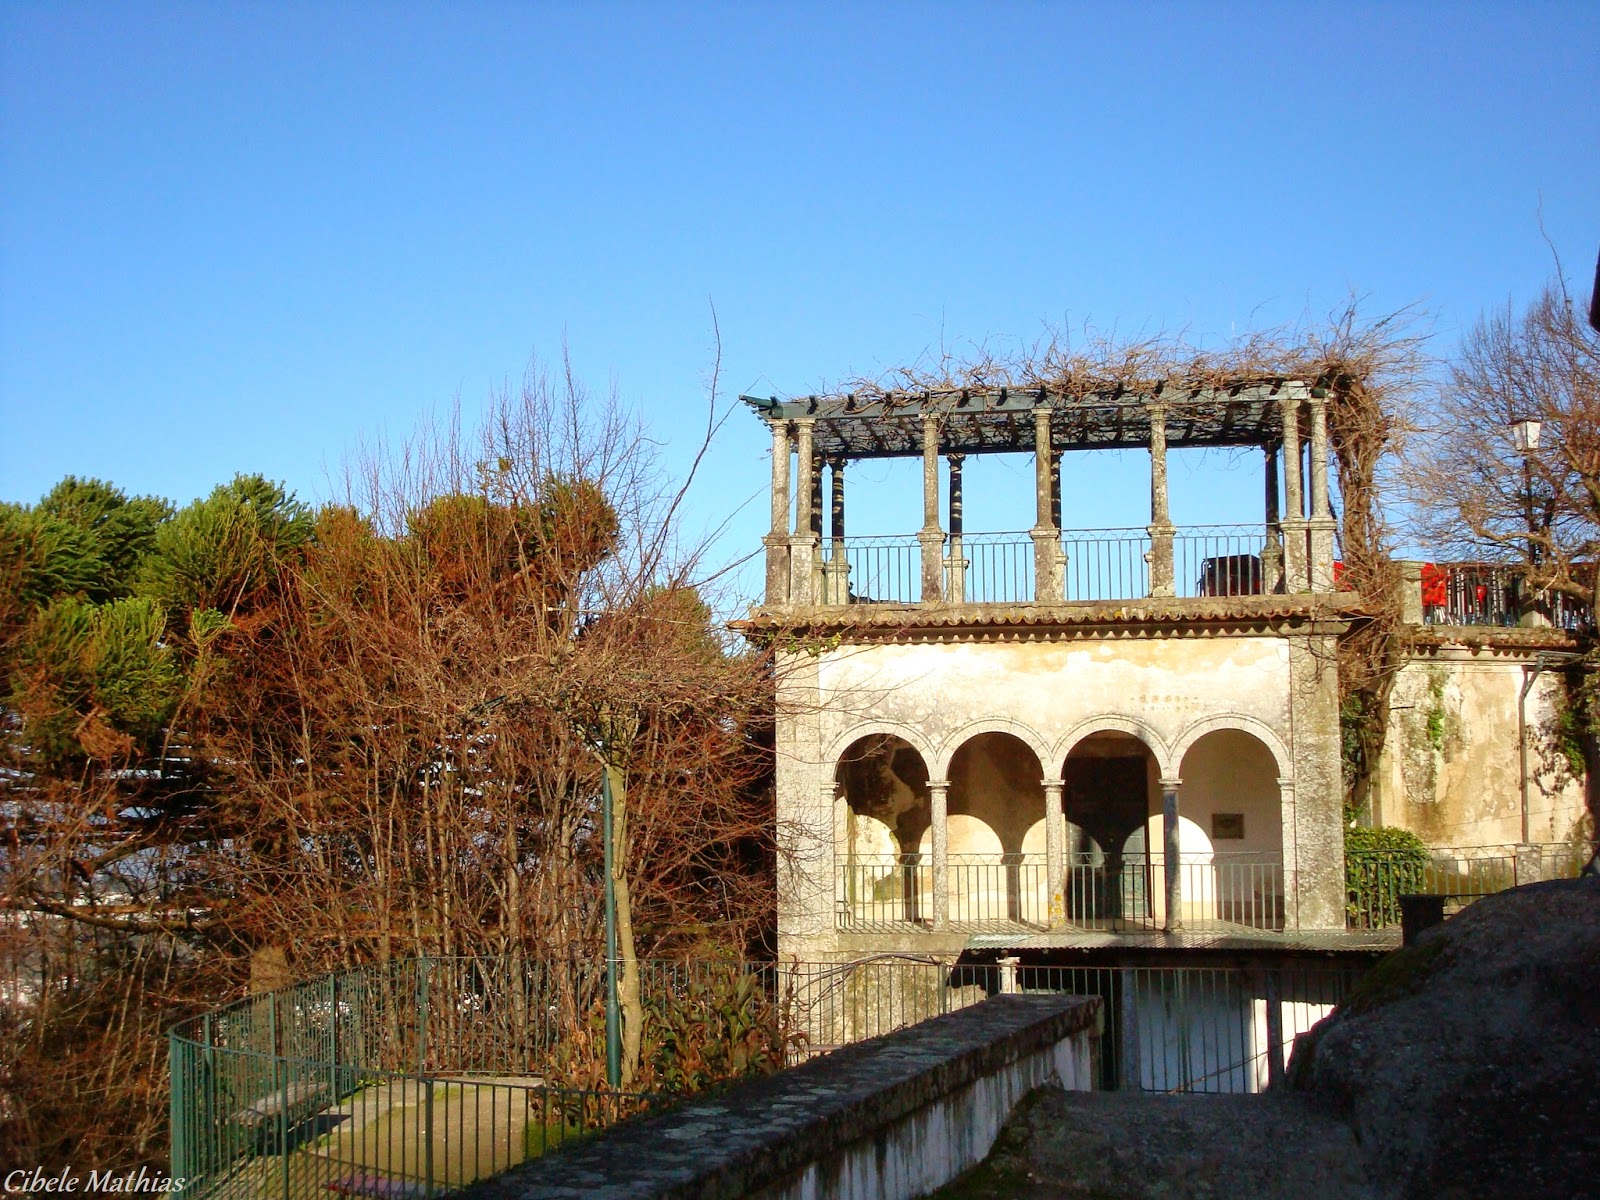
pixel 386 739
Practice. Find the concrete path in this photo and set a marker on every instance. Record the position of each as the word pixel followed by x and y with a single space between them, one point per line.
pixel 1133 1146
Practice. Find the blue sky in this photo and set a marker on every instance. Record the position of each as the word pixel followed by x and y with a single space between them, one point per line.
pixel 246 237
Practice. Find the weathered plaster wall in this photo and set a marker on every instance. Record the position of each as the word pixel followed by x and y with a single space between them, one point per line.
pixel 1229 771
pixel 1451 766
pixel 1051 695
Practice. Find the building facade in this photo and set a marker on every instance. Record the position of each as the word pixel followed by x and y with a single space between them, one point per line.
pixel 1108 734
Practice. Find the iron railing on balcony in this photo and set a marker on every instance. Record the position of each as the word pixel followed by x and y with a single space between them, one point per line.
pixel 998 568
pixel 991 893
pixel 992 568
pixel 1105 564
pixel 1490 594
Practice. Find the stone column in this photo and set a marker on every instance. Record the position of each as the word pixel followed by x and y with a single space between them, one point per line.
pixel 956 574
pixel 1047 558
pixel 938 803
pixel 1293 523
pixel 777 541
pixel 837 579
pixel 803 545
pixel 1322 524
pixel 932 536
pixel 1161 531
pixel 833 801
pixel 1411 593
pixel 1272 554
pixel 1171 859
pixel 1530 863
pixel 1289 818
pixel 1008 973
pixel 1055 854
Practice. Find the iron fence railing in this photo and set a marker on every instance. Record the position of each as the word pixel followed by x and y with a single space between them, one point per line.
pixel 1376 879
pixel 1105 564
pixel 878 570
pixel 1011 892
pixel 281 1095
pixel 998 568
pixel 1221 560
pixel 1491 594
pixel 991 568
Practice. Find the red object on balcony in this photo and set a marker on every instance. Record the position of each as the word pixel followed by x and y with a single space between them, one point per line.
pixel 1435 586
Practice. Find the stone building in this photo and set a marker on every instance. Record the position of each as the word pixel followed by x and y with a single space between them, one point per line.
pixel 1075 739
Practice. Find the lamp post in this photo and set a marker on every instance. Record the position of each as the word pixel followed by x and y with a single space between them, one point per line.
pixel 1525 436
pixel 613 1008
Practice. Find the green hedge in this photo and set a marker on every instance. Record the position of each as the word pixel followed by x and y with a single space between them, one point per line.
pixel 1381 864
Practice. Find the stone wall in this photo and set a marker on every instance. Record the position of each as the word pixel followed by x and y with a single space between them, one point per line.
pixel 892 1118
pixel 1451 770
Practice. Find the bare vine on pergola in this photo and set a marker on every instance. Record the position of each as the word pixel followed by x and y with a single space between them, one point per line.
pixel 1372 372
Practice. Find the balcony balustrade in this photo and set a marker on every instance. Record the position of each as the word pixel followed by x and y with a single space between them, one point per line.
pixel 999 568
pixel 1222 892
pixel 1011 893
pixel 1469 593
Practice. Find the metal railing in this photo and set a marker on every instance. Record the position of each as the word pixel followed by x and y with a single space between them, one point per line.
pixel 1220 560
pixel 1242 891
pixel 1105 564
pixel 994 568
pixel 1490 594
pixel 998 568
pixel 1376 879
pixel 280 1095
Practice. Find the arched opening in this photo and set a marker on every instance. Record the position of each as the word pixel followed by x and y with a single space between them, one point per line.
pixel 1231 832
pixel 996 832
pixel 1111 788
pixel 885 876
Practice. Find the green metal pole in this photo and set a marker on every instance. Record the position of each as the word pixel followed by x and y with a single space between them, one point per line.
pixel 613 1008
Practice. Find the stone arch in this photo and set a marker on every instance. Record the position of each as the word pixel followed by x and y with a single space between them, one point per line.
pixel 1025 734
pixel 1230 800
pixel 1114 723
pixel 882 778
pixel 910 734
pixel 1257 728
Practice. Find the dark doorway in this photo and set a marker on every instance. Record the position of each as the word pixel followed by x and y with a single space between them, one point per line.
pixel 1107 797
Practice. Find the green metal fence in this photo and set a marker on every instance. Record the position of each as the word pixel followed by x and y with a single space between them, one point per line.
pixel 416 1078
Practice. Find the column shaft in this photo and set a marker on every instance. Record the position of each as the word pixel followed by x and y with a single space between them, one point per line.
pixel 1171 859
pixel 836 576
pixel 1272 553
pixel 777 540
pixel 932 536
pixel 1293 520
pixel 938 803
pixel 803 545
pixel 1055 854
pixel 1046 535
pixel 956 576
pixel 1322 523
pixel 1162 581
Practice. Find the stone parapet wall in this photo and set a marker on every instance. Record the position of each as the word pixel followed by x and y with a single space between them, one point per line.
pixel 891 1118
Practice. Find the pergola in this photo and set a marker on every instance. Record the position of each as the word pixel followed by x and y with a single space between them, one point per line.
pixel 1284 417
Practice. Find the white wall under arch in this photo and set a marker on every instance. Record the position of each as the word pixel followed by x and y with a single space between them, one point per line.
pixel 1231 770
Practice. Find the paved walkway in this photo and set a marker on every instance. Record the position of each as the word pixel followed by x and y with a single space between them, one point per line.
pixel 1132 1146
